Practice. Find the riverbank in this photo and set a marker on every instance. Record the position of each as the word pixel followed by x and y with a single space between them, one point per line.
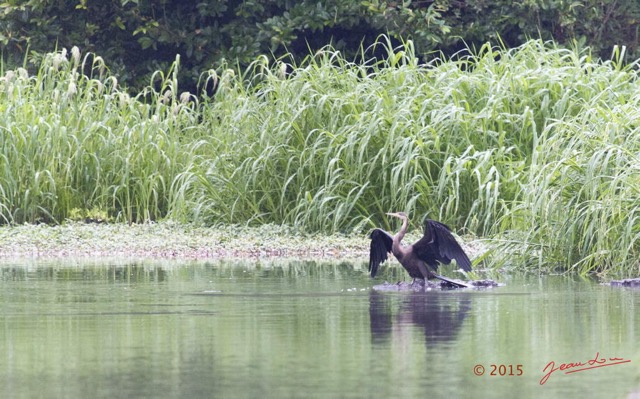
pixel 167 240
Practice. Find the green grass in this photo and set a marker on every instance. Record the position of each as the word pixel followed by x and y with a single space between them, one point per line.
pixel 68 141
pixel 535 147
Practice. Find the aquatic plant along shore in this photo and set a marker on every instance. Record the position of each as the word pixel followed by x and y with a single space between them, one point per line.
pixel 167 240
pixel 534 148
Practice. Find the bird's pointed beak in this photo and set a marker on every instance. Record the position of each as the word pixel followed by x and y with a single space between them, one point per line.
pixel 392 214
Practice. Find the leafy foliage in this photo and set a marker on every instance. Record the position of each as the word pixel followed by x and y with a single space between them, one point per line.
pixel 139 37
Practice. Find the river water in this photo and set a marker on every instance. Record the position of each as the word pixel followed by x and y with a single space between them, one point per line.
pixel 305 329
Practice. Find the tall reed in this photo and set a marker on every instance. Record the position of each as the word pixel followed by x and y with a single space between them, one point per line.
pixel 74 141
pixel 474 142
pixel 535 146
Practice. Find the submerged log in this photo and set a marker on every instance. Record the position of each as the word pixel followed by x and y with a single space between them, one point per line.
pixel 422 285
pixel 629 282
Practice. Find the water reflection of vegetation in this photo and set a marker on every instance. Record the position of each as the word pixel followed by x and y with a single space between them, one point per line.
pixel 162 271
pixel 131 273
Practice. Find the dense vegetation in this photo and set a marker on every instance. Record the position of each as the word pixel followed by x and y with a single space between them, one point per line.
pixel 136 38
pixel 536 146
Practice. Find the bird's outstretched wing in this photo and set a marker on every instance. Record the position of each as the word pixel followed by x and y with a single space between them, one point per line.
pixel 381 242
pixel 439 244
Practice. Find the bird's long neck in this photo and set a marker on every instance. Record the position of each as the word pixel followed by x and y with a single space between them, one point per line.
pixel 396 246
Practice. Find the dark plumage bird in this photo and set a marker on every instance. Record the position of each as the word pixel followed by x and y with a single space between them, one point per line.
pixel 421 259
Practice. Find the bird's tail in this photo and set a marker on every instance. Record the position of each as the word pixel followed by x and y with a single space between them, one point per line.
pixel 453 283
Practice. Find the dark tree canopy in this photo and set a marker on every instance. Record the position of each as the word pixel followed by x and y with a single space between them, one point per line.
pixel 139 37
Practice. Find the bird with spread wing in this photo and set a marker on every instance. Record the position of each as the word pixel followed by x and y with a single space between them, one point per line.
pixel 421 259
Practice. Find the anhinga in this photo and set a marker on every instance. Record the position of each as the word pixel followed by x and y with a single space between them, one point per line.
pixel 421 259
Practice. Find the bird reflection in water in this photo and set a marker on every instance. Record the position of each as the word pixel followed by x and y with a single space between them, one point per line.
pixel 440 316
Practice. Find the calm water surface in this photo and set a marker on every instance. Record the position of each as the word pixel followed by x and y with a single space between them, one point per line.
pixel 304 329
